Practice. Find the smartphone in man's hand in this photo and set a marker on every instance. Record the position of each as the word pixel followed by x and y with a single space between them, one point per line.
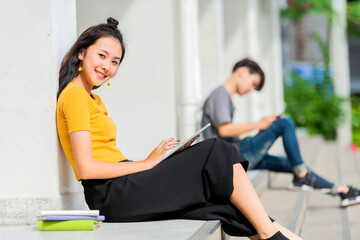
pixel 280 115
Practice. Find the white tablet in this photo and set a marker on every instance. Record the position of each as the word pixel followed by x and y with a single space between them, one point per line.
pixel 187 143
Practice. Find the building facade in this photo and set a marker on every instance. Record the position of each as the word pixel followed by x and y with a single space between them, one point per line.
pixel 177 51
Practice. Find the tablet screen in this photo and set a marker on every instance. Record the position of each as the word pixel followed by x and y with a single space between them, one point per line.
pixel 187 143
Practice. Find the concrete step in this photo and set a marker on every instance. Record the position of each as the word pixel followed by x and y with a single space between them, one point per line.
pixel 159 230
pixel 285 206
pixel 349 174
pixel 292 210
pixel 323 209
pixel 260 180
pixel 337 165
pixel 314 215
pixel 169 230
pixel 323 218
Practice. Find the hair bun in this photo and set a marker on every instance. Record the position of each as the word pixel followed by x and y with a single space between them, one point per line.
pixel 112 21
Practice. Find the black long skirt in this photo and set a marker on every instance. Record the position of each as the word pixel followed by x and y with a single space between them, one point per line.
pixel 193 184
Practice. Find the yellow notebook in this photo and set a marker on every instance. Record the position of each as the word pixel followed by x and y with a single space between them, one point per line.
pixel 69 225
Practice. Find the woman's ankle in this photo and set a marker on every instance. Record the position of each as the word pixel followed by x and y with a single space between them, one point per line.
pixel 268 233
pixel 277 236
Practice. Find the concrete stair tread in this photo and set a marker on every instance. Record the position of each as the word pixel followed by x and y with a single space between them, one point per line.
pixel 171 229
pixel 311 214
pixel 316 215
pixel 290 211
pixel 324 210
pixel 259 179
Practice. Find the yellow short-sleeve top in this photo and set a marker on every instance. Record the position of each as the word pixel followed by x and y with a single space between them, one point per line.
pixel 77 110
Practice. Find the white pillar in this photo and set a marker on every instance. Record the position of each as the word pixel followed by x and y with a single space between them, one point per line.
pixel 211 44
pixel 340 66
pixel 189 67
pixel 254 46
pixel 29 179
pixel 64 35
pixel 252 30
pixel 274 61
pixel 236 47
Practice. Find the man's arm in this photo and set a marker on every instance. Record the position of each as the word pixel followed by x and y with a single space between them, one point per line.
pixel 234 130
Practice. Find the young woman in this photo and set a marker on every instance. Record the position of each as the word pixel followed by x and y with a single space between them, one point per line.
pixel 206 181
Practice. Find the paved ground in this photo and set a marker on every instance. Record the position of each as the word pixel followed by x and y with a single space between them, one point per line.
pixel 322 218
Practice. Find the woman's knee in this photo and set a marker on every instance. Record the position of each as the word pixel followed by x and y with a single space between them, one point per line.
pixel 221 143
pixel 210 141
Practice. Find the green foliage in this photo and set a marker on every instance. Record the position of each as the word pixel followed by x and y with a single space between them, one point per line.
pixel 353 11
pixel 353 23
pixel 324 50
pixel 355 119
pixel 353 18
pixel 296 11
pixel 314 106
pixel 298 8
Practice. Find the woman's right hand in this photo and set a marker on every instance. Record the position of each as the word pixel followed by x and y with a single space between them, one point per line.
pixel 158 154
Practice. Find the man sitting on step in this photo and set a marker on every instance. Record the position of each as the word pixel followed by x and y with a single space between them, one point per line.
pixel 218 110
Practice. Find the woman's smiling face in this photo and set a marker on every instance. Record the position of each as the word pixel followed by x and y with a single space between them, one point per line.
pixel 100 61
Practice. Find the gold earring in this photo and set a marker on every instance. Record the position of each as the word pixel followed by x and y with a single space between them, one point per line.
pixel 80 69
pixel 108 83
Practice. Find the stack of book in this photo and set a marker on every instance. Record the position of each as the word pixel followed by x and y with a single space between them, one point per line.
pixel 70 220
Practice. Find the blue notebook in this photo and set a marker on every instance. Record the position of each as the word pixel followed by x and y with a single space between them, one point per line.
pixel 69 217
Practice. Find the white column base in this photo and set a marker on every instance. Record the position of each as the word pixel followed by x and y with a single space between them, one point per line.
pixel 21 211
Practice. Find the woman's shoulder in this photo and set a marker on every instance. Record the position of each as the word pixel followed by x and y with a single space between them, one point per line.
pixel 96 97
pixel 72 92
pixel 74 97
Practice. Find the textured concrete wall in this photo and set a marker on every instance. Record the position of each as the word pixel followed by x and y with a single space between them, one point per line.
pixel 34 173
pixel 27 95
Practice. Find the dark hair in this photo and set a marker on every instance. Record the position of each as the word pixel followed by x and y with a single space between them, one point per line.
pixel 70 63
pixel 254 68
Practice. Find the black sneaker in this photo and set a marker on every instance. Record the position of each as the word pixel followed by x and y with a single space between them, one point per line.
pixel 308 183
pixel 352 197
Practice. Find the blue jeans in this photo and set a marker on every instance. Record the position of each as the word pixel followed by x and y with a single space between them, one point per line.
pixel 255 150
